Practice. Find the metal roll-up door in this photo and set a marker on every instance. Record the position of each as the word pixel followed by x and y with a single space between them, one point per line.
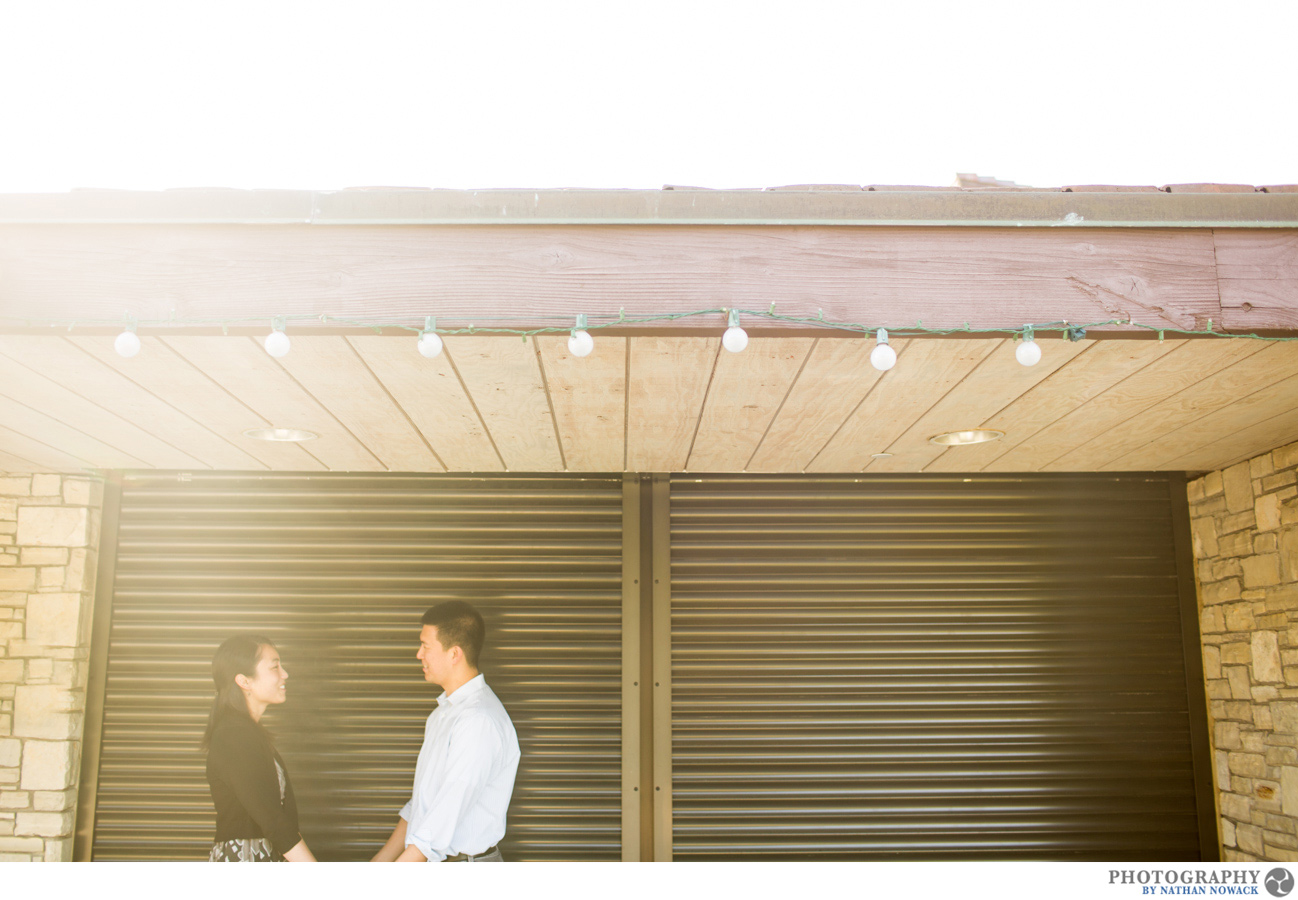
pixel 337 569
pixel 927 667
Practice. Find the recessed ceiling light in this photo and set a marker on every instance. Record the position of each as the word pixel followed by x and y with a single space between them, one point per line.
pixel 976 436
pixel 280 434
pixel 880 455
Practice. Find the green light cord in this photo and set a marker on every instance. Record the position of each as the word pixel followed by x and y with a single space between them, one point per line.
pixel 1071 330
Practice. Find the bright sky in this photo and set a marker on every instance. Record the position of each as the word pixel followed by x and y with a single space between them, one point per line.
pixel 549 93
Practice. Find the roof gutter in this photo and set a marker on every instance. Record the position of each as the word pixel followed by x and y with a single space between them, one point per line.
pixel 985 208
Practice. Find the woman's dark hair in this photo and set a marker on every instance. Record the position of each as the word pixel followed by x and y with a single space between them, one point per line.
pixel 237 655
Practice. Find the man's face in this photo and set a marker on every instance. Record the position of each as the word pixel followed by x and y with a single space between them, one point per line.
pixel 435 657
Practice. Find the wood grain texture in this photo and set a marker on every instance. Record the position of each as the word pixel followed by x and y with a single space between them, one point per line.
pixel 242 367
pixel 668 384
pixel 996 382
pixel 161 372
pixel 503 377
pixel 589 399
pixel 1257 275
pixel 1148 439
pixel 41 427
pixel 1239 415
pixel 330 369
pixel 835 379
pixel 1099 366
pixel 747 390
pixel 430 393
pixel 14 444
pixel 878 275
pixel 16 465
pixel 1243 444
pixel 1077 441
pixel 87 395
pixel 925 372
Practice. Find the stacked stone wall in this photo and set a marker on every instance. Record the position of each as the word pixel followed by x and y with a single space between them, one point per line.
pixel 49 538
pixel 1245 526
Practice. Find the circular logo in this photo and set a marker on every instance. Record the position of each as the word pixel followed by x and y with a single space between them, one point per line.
pixel 1279 882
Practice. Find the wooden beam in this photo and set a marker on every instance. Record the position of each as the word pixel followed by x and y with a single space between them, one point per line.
pixel 546 274
pixel 1257 273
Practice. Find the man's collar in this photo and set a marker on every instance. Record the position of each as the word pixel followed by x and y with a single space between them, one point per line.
pixel 464 691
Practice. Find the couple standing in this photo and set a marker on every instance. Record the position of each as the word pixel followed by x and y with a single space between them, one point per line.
pixel 463 779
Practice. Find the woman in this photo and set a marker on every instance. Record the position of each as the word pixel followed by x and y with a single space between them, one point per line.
pixel 256 815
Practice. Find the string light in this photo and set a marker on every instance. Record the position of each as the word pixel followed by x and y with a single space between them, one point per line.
pixel 1028 353
pixel 735 339
pixel 580 343
pixel 277 343
pixel 430 342
pixel 882 357
pixel 127 343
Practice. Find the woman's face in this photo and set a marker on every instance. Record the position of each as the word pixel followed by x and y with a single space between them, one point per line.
pixel 267 684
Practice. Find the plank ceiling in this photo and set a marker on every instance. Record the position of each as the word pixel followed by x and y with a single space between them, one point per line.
pixel 640 404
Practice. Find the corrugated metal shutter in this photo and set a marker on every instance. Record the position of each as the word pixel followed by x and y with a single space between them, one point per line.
pixel 927 667
pixel 337 569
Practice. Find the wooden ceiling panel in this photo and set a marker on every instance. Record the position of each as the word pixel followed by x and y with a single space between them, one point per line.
pixel 430 393
pixel 1121 448
pixel 1107 414
pixel 329 368
pixel 50 459
pixel 49 431
pixel 641 404
pixel 503 376
pixel 924 373
pixel 81 393
pixel 11 463
pixel 997 382
pixel 668 384
pixel 747 390
pixel 170 378
pixel 1231 419
pixel 1240 445
pixel 589 398
pixel 242 366
pixel 836 378
pixel 1099 366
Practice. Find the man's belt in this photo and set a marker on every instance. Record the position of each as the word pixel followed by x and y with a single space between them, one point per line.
pixel 470 857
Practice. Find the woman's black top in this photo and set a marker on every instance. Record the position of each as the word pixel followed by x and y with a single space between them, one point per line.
pixel 245 787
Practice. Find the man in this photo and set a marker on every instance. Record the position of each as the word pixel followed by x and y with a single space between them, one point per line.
pixel 467 764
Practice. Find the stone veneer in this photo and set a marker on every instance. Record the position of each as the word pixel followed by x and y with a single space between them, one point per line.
pixel 1245 526
pixel 49 536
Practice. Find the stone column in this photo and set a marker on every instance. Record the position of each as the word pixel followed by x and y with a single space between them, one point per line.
pixel 1245 525
pixel 49 538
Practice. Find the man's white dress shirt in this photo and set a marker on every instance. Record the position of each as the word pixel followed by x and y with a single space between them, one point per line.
pixel 464 776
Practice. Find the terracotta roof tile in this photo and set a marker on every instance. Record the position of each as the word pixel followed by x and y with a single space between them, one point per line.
pixel 1209 188
pixel 817 187
pixel 1096 188
pixel 908 187
pixel 1279 189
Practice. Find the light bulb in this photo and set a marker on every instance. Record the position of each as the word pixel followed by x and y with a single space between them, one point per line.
pixel 735 339
pixel 580 343
pixel 1028 352
pixel 430 344
pixel 882 357
pixel 127 344
pixel 277 344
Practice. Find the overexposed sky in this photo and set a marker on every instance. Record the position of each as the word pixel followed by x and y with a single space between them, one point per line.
pixel 470 94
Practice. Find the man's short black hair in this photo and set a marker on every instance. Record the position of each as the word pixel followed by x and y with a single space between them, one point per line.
pixel 458 624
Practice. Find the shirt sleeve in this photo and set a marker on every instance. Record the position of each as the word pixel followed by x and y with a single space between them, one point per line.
pixel 250 771
pixel 474 746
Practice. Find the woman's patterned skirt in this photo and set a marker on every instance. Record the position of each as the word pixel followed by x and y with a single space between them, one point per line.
pixel 245 850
